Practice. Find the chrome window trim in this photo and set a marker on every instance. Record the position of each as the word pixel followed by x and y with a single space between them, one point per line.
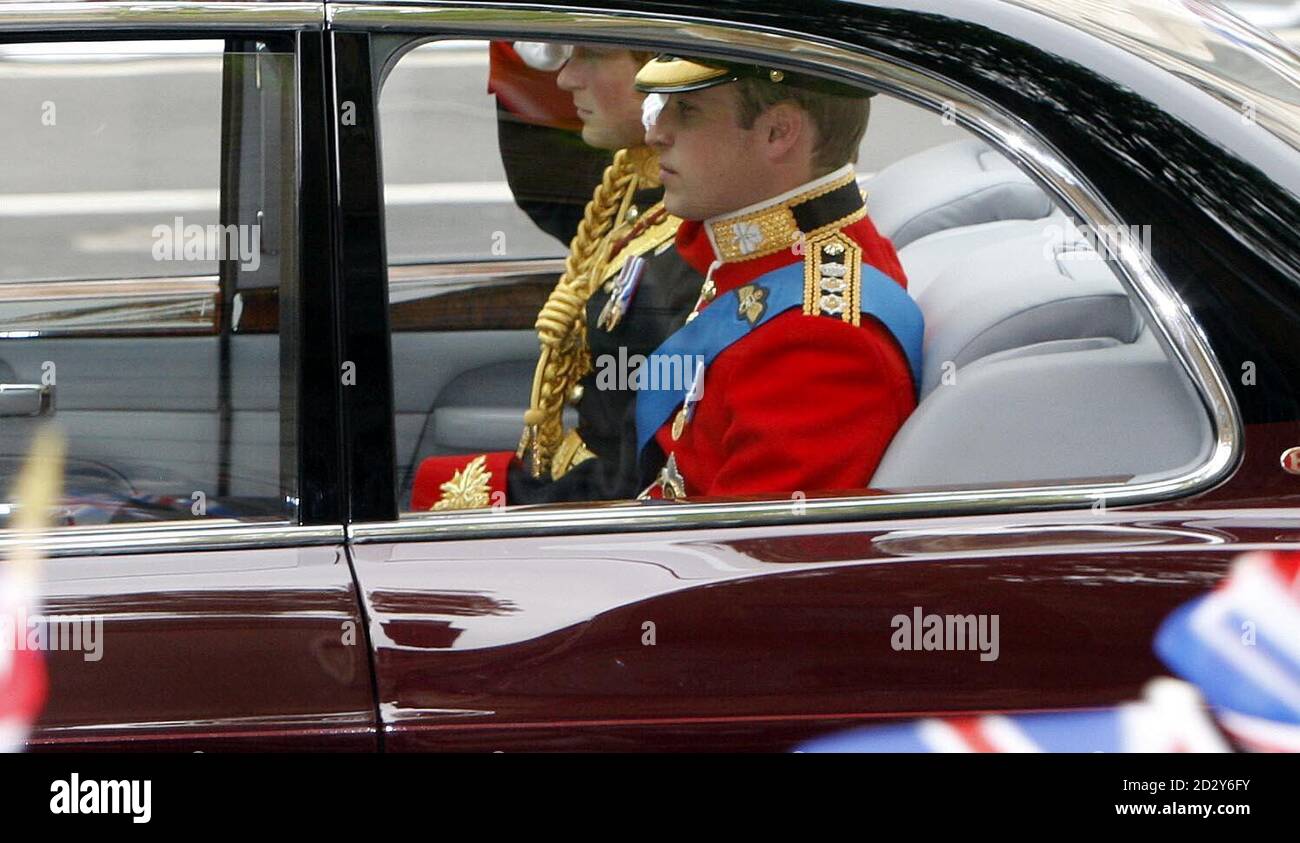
pixel 171 536
pixel 409 282
pixel 289 724
pixel 158 14
pixel 185 305
pixel 1013 137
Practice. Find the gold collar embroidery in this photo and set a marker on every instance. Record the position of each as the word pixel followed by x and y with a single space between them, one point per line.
pixel 768 227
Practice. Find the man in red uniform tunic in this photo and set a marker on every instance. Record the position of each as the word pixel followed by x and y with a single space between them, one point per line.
pixel 803 350
pixel 806 399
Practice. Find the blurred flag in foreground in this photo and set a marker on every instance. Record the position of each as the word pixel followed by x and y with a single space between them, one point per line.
pixel 1240 645
pixel 1169 718
pixel 22 670
pixel 1238 648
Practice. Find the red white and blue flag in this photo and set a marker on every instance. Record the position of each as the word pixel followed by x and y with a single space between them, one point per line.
pixel 22 671
pixel 1170 718
pixel 1238 648
pixel 1240 645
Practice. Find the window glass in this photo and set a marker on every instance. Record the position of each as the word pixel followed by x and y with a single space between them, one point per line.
pixel 148 225
pixel 1034 365
pixel 446 187
pixel 464 169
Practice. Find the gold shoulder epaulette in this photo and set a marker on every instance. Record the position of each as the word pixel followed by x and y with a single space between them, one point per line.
pixel 832 277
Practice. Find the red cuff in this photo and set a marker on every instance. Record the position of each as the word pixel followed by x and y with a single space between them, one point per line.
pixel 461 482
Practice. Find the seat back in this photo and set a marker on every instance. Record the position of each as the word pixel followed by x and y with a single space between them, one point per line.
pixel 1027 289
pixel 949 186
pixel 1054 411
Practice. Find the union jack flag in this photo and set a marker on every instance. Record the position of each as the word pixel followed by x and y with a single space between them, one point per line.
pixel 1240 645
pixel 22 671
pixel 1238 648
pixel 1170 718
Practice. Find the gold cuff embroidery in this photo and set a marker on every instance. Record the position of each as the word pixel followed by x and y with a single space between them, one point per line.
pixel 468 488
pixel 571 452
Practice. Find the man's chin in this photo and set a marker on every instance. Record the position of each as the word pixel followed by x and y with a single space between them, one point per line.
pixel 596 136
pixel 680 205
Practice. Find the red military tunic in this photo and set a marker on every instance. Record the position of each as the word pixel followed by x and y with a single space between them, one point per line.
pixel 799 404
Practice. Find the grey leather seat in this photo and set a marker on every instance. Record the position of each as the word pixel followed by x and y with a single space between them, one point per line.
pixel 925 259
pixel 950 186
pixel 1039 369
pixel 1052 412
pixel 1037 286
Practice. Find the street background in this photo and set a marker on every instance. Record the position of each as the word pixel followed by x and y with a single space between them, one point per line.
pixel 72 205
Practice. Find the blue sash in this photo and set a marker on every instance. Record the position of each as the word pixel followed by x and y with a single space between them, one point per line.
pixel 721 324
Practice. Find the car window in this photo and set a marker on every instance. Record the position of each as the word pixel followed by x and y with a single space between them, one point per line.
pixel 1035 366
pixel 449 162
pixel 471 174
pixel 146 214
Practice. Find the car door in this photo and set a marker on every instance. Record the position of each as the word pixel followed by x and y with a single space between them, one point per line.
pixel 758 638
pixel 753 623
pixel 168 304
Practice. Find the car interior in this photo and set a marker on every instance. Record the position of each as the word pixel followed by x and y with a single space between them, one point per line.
pixel 1039 366
pixel 164 375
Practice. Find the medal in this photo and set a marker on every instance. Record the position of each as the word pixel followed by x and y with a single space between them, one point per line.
pixel 621 298
pixel 693 396
pixel 671 483
pixel 679 423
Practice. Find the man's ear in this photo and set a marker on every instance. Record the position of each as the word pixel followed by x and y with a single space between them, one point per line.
pixel 784 124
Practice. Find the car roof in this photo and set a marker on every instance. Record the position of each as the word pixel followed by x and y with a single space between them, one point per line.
pixel 1199 42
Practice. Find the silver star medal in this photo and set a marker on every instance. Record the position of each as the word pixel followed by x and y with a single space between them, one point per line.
pixel 672 484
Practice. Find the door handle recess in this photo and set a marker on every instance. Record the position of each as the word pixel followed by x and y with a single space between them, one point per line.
pixel 26 399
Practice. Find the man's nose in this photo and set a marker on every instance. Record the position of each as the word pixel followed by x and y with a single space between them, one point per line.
pixel 569 79
pixel 659 135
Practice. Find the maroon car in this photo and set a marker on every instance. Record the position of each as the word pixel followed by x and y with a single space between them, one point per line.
pixel 261 259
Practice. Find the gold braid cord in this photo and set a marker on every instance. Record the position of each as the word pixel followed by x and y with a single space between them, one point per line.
pixel 561 325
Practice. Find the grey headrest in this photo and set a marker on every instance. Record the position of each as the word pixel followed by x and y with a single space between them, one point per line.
pixel 925 260
pixel 1029 289
pixel 957 184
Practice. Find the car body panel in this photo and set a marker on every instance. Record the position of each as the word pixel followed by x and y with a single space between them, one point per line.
pixel 759 634
pixel 223 650
pixel 764 634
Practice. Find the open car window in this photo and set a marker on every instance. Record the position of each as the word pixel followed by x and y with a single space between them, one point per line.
pixel 1038 366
